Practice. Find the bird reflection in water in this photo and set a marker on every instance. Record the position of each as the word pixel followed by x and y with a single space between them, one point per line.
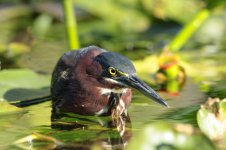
pixel 112 132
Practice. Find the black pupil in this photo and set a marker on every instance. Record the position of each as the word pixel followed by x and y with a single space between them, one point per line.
pixel 112 71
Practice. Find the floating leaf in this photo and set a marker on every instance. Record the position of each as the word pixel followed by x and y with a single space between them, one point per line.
pixel 6 107
pixel 37 136
pixel 21 84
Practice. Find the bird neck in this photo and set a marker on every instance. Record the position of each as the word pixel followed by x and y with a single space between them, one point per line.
pixel 115 91
pixel 114 99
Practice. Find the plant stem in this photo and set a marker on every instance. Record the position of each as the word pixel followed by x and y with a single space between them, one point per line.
pixel 187 31
pixel 71 26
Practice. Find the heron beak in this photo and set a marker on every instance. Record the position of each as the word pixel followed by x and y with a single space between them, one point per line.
pixel 134 82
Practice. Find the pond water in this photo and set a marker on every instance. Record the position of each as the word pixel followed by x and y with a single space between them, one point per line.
pixel 85 132
pixel 89 131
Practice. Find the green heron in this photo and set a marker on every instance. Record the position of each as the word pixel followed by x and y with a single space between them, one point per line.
pixel 93 81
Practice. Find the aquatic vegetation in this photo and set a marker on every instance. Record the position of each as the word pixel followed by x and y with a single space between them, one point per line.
pixel 22 84
pixel 171 75
pixel 71 24
pixel 7 108
pixel 217 89
pixel 34 37
pixel 211 118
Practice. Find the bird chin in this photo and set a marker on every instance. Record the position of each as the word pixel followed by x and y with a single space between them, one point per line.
pixel 109 80
pixel 108 91
pixel 115 82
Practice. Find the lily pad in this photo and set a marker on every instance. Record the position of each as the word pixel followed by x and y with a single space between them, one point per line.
pixel 6 107
pixel 22 84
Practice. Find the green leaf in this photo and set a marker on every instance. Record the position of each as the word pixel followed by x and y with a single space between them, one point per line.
pixel 6 107
pixel 22 84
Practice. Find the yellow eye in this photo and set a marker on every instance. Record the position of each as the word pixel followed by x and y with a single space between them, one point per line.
pixel 112 71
